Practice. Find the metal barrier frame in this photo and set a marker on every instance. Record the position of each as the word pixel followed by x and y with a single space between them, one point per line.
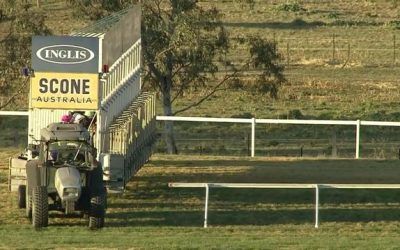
pixel 317 187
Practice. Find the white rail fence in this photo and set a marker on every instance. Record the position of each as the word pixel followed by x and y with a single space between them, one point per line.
pixel 14 113
pixel 317 187
pixel 254 121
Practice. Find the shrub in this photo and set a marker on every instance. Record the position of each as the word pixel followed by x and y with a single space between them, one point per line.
pixel 295 114
pixel 273 143
pixel 245 115
pixel 333 15
pixel 291 7
pixel 395 24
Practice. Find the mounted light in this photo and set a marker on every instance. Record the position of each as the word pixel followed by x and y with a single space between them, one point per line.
pixel 25 71
pixel 106 69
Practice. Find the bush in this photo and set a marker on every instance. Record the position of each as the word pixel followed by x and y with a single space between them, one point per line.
pixel 273 143
pixel 333 15
pixel 291 7
pixel 235 84
pixel 295 114
pixel 246 115
pixel 395 24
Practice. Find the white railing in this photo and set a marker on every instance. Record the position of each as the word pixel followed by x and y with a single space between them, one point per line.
pixel 121 71
pixel 317 187
pixel 254 121
pixel 14 113
pixel 113 107
pixel 122 85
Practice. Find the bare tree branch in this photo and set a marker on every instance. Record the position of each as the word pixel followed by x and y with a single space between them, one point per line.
pixel 182 88
pixel 214 89
pixel 16 94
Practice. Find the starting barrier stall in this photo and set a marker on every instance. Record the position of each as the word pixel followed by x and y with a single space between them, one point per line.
pixel 131 135
pixel 316 187
pixel 96 69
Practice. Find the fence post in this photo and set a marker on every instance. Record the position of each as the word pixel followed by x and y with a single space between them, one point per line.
pixel 394 50
pixel 248 144
pixel 316 206
pixel 358 139
pixel 333 47
pixel 253 136
pixel 288 54
pixel 206 207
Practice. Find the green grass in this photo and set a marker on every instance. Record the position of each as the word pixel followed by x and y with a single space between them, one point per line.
pixel 150 215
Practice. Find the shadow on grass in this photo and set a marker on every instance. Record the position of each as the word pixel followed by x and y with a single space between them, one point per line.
pixel 246 217
pixel 292 162
pixel 172 198
pixel 300 24
pixel 259 171
pixel 295 24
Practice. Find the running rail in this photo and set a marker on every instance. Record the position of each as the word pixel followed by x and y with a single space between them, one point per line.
pixel 317 187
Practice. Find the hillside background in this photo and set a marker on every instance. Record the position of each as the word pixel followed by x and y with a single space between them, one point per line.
pixel 342 61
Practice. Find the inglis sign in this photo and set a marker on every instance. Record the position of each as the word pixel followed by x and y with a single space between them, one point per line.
pixel 65 54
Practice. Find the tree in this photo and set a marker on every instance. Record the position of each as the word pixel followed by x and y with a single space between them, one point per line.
pixel 15 48
pixel 96 9
pixel 184 45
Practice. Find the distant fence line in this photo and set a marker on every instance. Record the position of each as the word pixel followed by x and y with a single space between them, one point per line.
pixel 337 49
pixel 253 122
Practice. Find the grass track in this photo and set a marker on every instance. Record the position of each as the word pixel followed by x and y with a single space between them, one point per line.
pixel 150 215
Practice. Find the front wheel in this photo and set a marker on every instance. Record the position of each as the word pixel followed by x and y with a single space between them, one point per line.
pixel 40 207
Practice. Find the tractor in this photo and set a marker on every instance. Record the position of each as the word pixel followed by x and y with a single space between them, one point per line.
pixel 64 175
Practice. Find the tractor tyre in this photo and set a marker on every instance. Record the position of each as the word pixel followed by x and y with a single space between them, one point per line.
pixel 97 212
pixel 21 196
pixel 28 205
pixel 40 207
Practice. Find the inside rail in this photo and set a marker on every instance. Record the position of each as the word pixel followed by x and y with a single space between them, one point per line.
pixel 317 187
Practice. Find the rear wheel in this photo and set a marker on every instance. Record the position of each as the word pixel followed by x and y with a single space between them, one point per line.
pixel 21 196
pixel 97 212
pixel 28 206
pixel 97 199
pixel 40 207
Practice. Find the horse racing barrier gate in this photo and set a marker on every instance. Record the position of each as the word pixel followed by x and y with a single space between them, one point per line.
pixel 317 187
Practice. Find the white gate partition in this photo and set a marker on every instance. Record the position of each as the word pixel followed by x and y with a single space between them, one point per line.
pixel 317 187
pixel 14 113
pixel 254 121
pixel 121 71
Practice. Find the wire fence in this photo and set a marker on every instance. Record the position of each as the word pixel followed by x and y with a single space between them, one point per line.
pixel 334 49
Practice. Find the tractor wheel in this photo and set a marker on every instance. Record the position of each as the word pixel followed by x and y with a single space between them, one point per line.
pixel 97 212
pixel 28 205
pixel 21 196
pixel 40 207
